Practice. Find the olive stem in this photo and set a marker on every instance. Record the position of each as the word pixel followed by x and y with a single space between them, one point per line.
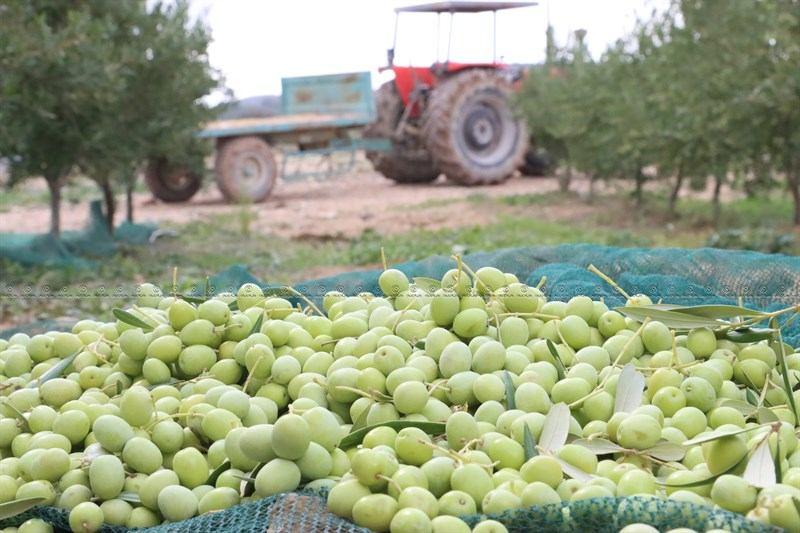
pixel 359 392
pixel 306 300
pixel 472 274
pixel 561 337
pixel 541 283
pixel 383 259
pixel 596 271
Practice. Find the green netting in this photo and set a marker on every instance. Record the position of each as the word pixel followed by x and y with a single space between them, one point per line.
pixel 305 511
pixel 673 275
pixel 74 249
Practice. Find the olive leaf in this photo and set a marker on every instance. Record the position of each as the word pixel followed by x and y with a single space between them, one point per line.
pixel 760 469
pixel 781 353
pixel 56 370
pixel 193 299
pixel 630 389
pixel 717 311
pixel 718 434
pixel 234 305
pixel 777 462
pixel 666 451
pixel 745 408
pixel 92 452
pixel 764 416
pixel 529 444
pixel 704 481
pixel 355 437
pixel 559 364
pixel 257 326
pixel 428 285
pixel 131 319
pixel 361 421
pixel 212 479
pixel 130 497
pixel 672 319
pixel 23 420
pixel 555 428
pixel 15 507
pixel 600 446
pixel 752 399
pixel 510 390
pixel 748 334
pixel 573 471
pixel 796 502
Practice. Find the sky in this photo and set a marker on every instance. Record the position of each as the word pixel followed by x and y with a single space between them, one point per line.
pixel 257 42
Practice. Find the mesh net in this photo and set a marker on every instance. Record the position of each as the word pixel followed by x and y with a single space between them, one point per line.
pixel 305 512
pixel 676 276
pixel 673 275
pixel 74 249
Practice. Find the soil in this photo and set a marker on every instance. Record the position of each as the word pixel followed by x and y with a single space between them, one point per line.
pixel 340 207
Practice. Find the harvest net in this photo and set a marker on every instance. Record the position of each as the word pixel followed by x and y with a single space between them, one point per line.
pixel 305 511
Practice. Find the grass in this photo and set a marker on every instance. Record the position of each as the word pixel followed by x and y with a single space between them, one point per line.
pixel 203 248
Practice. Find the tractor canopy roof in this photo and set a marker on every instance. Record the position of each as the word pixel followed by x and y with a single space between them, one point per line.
pixel 462 6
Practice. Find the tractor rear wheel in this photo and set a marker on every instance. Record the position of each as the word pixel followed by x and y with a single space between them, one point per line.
pixel 408 161
pixel 471 131
pixel 246 169
pixel 170 183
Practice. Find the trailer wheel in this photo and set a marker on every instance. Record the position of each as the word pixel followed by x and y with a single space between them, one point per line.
pixel 471 131
pixel 170 183
pixel 246 169
pixel 408 161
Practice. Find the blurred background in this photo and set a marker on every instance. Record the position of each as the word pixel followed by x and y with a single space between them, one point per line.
pixel 651 123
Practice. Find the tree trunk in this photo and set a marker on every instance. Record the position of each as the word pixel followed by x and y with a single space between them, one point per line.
pixel 129 201
pixel 638 193
pixel 565 178
pixel 719 178
pixel 676 189
pixel 110 203
pixel 54 184
pixel 592 184
pixel 793 181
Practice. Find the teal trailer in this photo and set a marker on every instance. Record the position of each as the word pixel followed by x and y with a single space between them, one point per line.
pixel 320 115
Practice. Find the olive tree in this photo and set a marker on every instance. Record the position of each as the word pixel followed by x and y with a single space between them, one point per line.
pixel 56 81
pixel 99 87
pixel 166 73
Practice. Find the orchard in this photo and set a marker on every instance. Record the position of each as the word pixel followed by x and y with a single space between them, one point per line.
pixel 438 406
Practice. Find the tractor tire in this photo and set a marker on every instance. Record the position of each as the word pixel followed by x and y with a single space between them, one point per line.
pixel 246 169
pixel 408 161
pixel 471 131
pixel 169 183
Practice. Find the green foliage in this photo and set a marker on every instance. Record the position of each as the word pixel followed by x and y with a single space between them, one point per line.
pixel 100 87
pixel 705 89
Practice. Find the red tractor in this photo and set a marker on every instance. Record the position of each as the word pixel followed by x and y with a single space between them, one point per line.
pixel 450 118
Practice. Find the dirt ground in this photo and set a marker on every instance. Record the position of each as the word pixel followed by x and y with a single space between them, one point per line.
pixel 339 207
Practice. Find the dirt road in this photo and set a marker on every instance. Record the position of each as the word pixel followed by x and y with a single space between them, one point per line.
pixel 336 208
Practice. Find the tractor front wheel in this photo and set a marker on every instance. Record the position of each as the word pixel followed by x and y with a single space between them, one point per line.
pixel 408 161
pixel 246 169
pixel 471 131
pixel 170 183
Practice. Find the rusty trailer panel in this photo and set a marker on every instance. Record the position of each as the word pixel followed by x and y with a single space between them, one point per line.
pixel 329 102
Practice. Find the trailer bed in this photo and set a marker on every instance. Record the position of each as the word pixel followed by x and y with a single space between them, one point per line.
pixel 297 122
